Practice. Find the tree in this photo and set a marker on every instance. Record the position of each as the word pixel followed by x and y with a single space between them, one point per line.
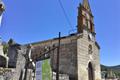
pixel 5 48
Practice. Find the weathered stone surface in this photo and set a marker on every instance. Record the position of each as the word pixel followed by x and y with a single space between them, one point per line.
pixel 74 56
pixel 12 54
pixel 68 54
pixel 61 76
pixel 20 70
pixel 67 59
pixel 84 58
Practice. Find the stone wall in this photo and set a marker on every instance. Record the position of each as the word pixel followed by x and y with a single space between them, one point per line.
pixel 74 56
pixel 18 66
pixel 83 58
pixel 61 76
pixel 7 73
pixel 67 59
pixel 68 54
pixel 12 54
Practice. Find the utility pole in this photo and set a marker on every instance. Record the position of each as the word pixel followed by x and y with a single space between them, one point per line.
pixel 57 65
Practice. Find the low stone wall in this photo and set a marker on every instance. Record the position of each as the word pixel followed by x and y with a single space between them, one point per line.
pixel 61 76
pixel 7 73
pixel 10 74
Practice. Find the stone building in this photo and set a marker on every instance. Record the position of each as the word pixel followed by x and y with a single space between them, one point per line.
pixel 79 52
pixel 19 65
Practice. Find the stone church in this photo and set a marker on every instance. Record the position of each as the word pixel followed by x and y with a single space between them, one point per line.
pixel 79 52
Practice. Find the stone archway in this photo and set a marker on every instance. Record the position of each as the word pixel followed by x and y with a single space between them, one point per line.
pixel 90 71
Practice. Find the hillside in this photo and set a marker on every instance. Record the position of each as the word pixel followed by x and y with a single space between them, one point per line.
pixel 115 69
pixel 104 68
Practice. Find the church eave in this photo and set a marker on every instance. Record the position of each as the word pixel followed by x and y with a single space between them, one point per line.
pixel 44 41
pixel 97 45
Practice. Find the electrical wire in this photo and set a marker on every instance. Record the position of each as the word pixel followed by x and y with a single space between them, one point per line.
pixel 65 14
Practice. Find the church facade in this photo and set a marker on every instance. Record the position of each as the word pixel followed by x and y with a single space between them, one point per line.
pixel 79 52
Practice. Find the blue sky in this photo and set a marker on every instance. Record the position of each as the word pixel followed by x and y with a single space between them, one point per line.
pixel 35 20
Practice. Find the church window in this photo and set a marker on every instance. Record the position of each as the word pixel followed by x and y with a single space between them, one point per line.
pixel 90 49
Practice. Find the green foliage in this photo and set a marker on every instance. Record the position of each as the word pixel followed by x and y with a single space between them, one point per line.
pixel 104 68
pixel 115 69
pixel 6 45
pixel 5 49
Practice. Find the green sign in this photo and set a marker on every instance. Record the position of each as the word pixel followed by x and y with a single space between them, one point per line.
pixel 43 70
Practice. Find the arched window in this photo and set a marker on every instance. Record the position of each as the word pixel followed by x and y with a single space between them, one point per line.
pixel 90 49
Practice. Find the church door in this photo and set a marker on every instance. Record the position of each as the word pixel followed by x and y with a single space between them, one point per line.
pixel 90 72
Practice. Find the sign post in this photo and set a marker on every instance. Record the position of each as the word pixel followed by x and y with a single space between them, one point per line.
pixel 58 51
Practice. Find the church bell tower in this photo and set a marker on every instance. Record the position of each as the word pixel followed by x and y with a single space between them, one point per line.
pixel 85 18
pixel 88 58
